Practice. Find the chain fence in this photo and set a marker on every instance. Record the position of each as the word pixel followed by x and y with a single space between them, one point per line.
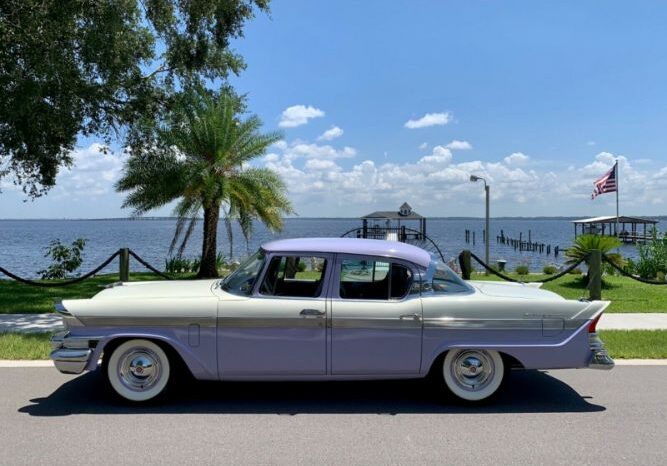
pixel 510 279
pixel 52 284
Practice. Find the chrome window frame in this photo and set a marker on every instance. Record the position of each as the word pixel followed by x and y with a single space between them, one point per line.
pixel 324 292
pixel 335 279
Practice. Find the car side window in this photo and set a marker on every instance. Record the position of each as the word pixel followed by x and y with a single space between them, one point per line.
pixel 294 276
pixel 370 279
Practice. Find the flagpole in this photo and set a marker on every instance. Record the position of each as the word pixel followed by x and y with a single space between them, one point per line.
pixel 617 186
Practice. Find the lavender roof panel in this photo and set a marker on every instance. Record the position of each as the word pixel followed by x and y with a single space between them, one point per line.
pixel 369 247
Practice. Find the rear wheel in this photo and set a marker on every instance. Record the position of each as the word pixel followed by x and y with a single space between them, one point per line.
pixel 473 374
pixel 138 370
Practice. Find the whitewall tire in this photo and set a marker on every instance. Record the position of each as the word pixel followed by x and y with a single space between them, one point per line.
pixel 138 370
pixel 473 374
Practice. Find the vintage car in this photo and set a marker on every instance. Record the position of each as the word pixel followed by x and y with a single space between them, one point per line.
pixel 327 309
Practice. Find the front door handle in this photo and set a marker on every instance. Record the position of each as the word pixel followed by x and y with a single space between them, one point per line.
pixel 312 313
pixel 413 316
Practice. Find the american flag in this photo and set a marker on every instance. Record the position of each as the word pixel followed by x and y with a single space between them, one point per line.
pixel 606 184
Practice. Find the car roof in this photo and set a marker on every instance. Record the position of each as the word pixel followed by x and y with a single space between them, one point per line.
pixel 358 246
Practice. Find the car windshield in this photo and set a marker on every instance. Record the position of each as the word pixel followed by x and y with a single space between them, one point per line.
pixel 242 279
pixel 445 280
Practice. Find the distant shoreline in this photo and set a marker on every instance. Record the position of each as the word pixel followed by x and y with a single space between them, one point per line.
pixel 113 219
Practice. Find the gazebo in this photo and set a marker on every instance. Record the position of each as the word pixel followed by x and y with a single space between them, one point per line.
pixel 606 226
pixel 392 224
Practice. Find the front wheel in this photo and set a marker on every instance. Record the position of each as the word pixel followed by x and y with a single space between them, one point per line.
pixel 473 374
pixel 138 370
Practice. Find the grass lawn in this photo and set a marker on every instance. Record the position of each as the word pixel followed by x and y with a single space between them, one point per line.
pixel 17 298
pixel 24 345
pixel 622 344
pixel 625 294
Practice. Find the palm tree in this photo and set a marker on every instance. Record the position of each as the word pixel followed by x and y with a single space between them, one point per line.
pixel 584 244
pixel 201 159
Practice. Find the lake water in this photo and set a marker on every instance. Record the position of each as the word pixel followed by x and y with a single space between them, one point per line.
pixel 22 242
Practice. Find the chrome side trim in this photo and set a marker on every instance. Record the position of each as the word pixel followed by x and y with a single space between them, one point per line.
pixel 267 322
pixel 533 323
pixel 161 321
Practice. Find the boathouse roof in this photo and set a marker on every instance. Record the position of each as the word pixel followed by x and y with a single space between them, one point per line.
pixel 404 212
pixel 621 219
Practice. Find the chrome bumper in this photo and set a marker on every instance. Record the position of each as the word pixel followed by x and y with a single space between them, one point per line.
pixel 601 359
pixel 71 354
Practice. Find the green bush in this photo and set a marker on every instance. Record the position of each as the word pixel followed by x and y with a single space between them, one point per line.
pixel 549 269
pixel 652 257
pixel 522 269
pixel 66 259
pixel 576 271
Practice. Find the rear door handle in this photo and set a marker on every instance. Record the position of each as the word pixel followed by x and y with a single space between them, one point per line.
pixel 413 316
pixel 312 313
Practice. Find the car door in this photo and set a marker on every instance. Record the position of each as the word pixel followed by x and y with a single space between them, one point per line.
pixel 376 317
pixel 280 330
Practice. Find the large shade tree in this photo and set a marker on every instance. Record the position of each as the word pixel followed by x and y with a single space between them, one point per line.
pixel 102 67
pixel 200 159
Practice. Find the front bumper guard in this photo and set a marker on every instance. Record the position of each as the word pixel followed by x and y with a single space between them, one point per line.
pixel 71 354
pixel 601 359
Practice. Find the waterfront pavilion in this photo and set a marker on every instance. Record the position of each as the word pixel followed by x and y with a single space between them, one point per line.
pixel 629 227
pixel 392 224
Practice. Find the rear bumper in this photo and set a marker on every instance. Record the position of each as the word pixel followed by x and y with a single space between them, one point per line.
pixel 70 354
pixel 601 359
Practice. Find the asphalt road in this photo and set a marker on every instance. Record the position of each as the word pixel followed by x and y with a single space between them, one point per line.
pixel 559 417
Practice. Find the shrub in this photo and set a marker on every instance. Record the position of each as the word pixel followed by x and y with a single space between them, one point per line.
pixel 652 257
pixel 576 271
pixel 66 259
pixel 583 245
pixel 522 269
pixel 549 269
pixel 179 264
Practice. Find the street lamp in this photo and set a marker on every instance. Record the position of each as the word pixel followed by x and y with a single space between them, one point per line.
pixel 474 178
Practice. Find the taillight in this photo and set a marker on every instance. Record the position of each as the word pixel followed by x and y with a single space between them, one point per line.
pixel 594 323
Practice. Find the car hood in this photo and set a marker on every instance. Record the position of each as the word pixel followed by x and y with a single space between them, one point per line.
pixel 513 290
pixel 159 289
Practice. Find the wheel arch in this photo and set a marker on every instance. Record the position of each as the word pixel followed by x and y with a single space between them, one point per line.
pixel 509 360
pixel 183 364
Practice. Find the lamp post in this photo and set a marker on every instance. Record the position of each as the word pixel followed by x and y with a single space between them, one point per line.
pixel 474 178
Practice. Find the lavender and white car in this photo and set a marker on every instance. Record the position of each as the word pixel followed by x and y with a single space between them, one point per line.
pixel 327 309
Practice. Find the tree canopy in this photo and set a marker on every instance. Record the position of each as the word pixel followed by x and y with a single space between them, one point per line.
pixel 104 67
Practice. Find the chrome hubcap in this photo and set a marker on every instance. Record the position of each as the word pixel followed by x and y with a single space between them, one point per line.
pixel 139 369
pixel 473 370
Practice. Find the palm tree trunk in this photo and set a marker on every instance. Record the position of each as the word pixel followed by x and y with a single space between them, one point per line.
pixel 230 234
pixel 208 268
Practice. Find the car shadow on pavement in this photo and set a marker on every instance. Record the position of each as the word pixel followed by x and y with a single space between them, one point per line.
pixel 523 392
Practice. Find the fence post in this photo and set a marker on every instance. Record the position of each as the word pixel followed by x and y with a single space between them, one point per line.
pixel 466 264
pixel 124 265
pixel 595 275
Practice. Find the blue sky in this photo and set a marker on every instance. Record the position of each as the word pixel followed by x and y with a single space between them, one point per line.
pixel 538 97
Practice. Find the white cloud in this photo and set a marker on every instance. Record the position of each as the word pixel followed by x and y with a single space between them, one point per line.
pixel 330 134
pixel 92 174
pixel 423 146
pixel 459 145
pixel 517 158
pixel 440 155
pixel 298 115
pixel 429 119
pixel 320 180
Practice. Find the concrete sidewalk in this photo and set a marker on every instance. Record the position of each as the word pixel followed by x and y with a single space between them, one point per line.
pixel 53 322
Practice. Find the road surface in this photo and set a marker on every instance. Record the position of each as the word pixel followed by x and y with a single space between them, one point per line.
pixel 556 417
